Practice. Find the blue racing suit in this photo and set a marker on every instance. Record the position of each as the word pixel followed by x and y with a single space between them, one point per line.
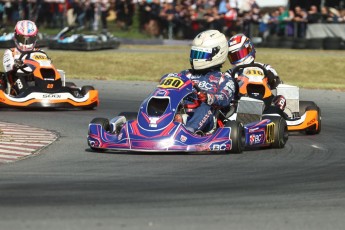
pixel 220 87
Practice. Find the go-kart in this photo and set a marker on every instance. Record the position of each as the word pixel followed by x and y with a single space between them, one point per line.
pixel 300 116
pixel 154 127
pixel 45 86
pixel 66 41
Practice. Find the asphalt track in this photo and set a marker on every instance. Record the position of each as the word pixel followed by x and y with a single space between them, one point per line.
pixel 66 186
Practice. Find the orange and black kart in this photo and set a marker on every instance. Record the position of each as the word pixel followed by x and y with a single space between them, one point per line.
pixel 300 116
pixel 45 87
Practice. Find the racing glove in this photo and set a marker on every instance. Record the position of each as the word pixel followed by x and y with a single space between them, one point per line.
pixel 279 101
pixel 273 80
pixel 205 97
pixel 18 64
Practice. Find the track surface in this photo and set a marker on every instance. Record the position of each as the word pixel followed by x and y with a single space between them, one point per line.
pixel 67 186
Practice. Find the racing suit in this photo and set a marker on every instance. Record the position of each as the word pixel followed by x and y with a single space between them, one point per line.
pixel 18 83
pixel 273 82
pixel 220 88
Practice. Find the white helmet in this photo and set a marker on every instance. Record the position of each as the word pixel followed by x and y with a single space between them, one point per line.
pixel 241 50
pixel 209 49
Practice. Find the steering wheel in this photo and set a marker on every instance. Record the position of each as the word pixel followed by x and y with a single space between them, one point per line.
pixel 195 103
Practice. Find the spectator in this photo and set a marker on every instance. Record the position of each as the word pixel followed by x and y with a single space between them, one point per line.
pixel 153 27
pixel 2 11
pixel 334 15
pixel 329 15
pixel 230 18
pixel 273 22
pixel 264 25
pixel 144 7
pixel 284 21
pixel 89 14
pixel 214 19
pixel 167 18
pixel 104 10
pixel 313 15
pixel 299 19
pixel 124 11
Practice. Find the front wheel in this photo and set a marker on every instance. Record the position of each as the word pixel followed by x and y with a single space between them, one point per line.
pixel 312 130
pixel 70 84
pixel 237 136
pixel 85 89
pixel 305 106
pixel 104 122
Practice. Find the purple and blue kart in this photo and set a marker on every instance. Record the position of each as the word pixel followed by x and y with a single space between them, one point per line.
pixel 154 127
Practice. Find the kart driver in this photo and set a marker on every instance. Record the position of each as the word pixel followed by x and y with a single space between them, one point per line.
pixel 25 37
pixel 241 52
pixel 208 53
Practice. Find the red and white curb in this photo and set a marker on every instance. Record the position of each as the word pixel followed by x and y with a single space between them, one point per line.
pixel 20 141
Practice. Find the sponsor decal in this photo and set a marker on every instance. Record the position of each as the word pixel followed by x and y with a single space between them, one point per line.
pixel 207 86
pixel 253 130
pixel 311 122
pixel 161 93
pixel 213 79
pixel 219 147
pixel 94 143
pixel 183 138
pixel 256 138
pixel 204 119
pixel 52 96
pixel 39 57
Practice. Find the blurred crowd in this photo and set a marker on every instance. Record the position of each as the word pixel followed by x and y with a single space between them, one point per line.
pixel 181 19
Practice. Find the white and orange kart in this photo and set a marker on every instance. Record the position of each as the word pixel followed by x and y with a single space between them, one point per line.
pixel 300 116
pixel 46 87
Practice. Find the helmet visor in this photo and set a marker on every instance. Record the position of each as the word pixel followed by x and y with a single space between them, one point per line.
pixel 239 54
pixel 25 40
pixel 198 53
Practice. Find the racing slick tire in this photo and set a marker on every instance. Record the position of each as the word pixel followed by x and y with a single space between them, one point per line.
pixel 305 106
pixel 129 115
pixel 70 84
pixel 237 136
pixel 104 122
pixel 85 89
pixel 281 134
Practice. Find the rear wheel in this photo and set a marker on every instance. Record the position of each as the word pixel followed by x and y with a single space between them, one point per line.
pixel 237 136
pixel 281 134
